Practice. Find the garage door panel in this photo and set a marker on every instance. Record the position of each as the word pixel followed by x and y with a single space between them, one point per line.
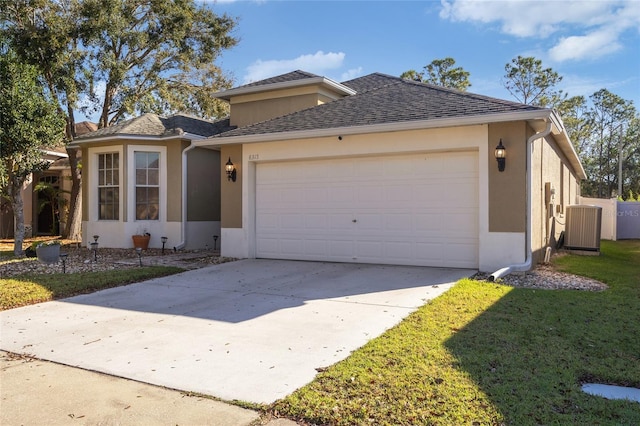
pixel 340 222
pixel 340 193
pixel 313 196
pixel 370 249
pixel 339 249
pixel 316 221
pixel 411 209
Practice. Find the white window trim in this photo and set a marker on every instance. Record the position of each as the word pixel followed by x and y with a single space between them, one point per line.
pixel 93 181
pixel 131 182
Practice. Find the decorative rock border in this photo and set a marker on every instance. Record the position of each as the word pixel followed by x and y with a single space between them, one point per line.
pixel 81 260
pixel 544 277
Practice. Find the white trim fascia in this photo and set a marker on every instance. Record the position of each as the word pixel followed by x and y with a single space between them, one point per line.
pixel 55 153
pixel 376 128
pixel 567 145
pixel 192 136
pixel 123 136
pixel 246 90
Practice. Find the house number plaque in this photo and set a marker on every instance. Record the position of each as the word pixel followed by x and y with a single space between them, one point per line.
pixel 254 157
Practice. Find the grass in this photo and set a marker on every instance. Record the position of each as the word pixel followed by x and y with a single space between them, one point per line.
pixel 484 353
pixel 35 288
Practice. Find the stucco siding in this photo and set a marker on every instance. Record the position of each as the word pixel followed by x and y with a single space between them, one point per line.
pixel 507 189
pixel 174 181
pixel 231 192
pixel 247 113
pixel 555 187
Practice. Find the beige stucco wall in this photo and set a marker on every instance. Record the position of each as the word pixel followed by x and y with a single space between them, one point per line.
pixel 243 114
pixel 507 189
pixel 256 107
pixel 231 192
pixel 554 187
pixel 174 180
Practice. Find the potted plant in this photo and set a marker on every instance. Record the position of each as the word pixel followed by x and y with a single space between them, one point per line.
pixel 48 251
pixel 141 240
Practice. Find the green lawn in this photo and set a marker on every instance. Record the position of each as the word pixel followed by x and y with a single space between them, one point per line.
pixel 35 288
pixel 485 353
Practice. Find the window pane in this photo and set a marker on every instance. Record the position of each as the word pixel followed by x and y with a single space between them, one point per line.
pixel 147 185
pixel 153 195
pixel 154 160
pixel 153 177
pixel 141 160
pixel 141 195
pixel 141 212
pixel 108 189
pixel 153 212
pixel 141 176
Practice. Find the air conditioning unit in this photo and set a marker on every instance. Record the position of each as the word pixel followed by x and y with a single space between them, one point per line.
pixel 582 230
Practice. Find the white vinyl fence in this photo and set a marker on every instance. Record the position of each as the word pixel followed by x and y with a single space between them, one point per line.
pixel 620 219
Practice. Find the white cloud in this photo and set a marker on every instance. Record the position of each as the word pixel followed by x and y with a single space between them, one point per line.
pixel 315 63
pixel 351 74
pixel 593 45
pixel 527 18
pixel 595 26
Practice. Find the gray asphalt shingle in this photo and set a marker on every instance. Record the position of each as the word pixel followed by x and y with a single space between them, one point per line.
pixel 384 99
pixel 154 125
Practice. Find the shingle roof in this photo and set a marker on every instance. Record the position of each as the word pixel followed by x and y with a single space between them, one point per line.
pixel 84 127
pixel 155 126
pixel 292 76
pixel 384 99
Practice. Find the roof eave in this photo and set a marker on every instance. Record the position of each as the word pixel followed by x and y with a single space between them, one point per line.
pixel 560 132
pixel 377 128
pixel 117 137
pixel 323 81
pixel 531 116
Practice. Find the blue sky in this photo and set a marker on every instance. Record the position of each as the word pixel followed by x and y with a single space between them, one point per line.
pixel 593 44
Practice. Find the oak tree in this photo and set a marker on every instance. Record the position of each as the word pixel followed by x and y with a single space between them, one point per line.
pixel 120 57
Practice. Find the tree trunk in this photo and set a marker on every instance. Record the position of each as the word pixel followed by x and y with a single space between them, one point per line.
pixel 73 226
pixel 74 220
pixel 17 204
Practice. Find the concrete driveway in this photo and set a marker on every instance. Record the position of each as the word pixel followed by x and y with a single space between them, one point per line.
pixel 251 330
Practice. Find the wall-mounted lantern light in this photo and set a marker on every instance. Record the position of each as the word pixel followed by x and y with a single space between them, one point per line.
pixel 501 153
pixel 231 170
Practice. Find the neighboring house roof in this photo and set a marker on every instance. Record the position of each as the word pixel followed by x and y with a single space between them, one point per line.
pixel 85 127
pixel 383 99
pixel 153 126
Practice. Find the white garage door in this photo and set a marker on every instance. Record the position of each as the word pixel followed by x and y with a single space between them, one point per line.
pixel 419 209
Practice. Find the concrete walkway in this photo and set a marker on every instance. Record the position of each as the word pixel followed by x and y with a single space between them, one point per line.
pixel 252 330
pixel 35 392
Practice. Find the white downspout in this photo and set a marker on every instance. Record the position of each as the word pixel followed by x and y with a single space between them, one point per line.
pixel 521 267
pixel 183 227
